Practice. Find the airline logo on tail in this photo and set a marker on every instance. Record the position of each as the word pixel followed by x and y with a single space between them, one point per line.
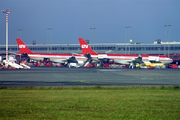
pixel 22 47
pixel 84 46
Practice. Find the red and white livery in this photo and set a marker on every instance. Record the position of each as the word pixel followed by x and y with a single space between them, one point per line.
pixel 121 58
pixel 57 58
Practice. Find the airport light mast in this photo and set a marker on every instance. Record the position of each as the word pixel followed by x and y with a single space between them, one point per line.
pixel 7 12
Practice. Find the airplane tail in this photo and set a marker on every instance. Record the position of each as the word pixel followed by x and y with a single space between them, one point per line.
pixel 22 47
pixel 85 47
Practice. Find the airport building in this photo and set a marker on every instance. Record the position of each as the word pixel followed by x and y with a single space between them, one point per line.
pixel 156 48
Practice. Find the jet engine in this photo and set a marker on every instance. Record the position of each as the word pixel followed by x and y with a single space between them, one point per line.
pixel 25 57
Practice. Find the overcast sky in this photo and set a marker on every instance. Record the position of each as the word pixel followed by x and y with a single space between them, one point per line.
pixel 72 19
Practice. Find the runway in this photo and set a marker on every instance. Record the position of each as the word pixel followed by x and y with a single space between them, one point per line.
pixel 56 76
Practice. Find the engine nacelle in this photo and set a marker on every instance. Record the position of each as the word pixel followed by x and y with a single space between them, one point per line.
pixel 25 57
pixel 46 59
pixel 108 60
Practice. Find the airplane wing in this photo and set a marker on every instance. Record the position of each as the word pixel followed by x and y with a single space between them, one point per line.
pixel 137 60
pixel 91 60
pixel 71 60
pixel 109 51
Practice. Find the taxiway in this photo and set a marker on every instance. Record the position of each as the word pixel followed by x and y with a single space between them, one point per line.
pixel 55 76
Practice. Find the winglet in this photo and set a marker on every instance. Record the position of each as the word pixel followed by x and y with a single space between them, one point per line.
pixel 85 47
pixel 22 47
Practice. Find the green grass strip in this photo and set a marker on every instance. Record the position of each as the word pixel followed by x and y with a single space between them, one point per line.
pixel 90 103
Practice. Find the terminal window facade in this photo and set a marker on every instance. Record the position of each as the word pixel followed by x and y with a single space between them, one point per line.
pixel 97 48
pixel 174 48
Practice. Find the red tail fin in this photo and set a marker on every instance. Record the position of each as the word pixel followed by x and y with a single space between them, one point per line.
pixel 85 47
pixel 22 47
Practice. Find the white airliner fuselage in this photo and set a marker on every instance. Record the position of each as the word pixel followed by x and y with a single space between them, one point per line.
pixel 122 58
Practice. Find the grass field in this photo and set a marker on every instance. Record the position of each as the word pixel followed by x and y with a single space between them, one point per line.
pixel 90 103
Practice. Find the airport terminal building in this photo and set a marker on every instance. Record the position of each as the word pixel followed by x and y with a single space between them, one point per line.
pixel 158 48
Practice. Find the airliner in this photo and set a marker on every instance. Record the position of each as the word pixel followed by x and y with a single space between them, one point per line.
pixel 63 58
pixel 119 58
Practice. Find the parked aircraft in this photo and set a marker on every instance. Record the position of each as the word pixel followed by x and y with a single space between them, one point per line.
pixel 94 57
pixel 57 58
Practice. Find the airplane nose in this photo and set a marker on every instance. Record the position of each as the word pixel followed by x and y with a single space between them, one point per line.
pixel 171 60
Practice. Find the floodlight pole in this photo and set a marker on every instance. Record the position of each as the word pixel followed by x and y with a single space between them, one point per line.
pixel 6 11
